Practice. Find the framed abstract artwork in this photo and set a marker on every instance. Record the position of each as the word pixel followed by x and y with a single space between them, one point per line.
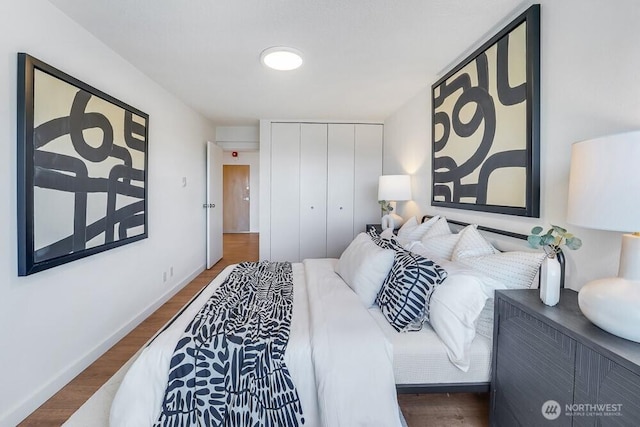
pixel 486 121
pixel 82 169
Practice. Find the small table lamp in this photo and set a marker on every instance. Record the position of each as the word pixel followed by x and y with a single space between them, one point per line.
pixel 604 193
pixel 393 188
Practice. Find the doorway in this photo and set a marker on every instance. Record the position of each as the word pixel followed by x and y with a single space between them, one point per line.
pixel 236 198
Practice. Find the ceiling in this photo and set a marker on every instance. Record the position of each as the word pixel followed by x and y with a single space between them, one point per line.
pixel 363 58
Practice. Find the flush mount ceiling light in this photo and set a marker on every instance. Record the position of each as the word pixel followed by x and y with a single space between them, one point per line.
pixel 281 58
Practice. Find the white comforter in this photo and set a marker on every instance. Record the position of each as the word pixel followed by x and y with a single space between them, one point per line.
pixel 338 357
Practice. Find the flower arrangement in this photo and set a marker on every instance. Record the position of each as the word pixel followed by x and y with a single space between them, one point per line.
pixel 553 239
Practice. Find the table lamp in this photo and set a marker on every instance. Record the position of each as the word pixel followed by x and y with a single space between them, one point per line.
pixel 392 189
pixel 604 193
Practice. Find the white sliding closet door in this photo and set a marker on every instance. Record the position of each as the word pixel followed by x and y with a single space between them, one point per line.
pixel 368 167
pixel 323 185
pixel 313 190
pixel 340 181
pixel 285 191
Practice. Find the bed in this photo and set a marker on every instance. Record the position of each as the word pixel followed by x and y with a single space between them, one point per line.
pixel 346 358
pixel 326 399
pixel 420 362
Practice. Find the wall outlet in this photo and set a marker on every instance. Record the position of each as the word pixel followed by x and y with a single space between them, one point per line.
pixel 164 276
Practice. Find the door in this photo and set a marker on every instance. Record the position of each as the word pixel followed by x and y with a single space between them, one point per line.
pixel 237 199
pixel 214 204
pixel 340 163
pixel 313 190
pixel 285 192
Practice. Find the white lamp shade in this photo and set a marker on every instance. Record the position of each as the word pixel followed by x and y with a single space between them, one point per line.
pixel 604 183
pixel 604 193
pixel 394 187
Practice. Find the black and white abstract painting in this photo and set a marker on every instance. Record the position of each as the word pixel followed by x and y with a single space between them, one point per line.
pixel 485 128
pixel 82 169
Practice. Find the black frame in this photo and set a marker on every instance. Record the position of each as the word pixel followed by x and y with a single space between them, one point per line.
pixel 532 197
pixel 27 168
pixel 482 387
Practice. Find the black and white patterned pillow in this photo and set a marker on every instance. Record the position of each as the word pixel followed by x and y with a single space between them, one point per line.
pixel 381 241
pixel 406 292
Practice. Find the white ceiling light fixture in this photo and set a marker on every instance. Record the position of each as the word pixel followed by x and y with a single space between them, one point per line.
pixel 281 58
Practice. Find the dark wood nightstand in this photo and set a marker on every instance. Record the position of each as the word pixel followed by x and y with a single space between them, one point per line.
pixel 377 227
pixel 552 366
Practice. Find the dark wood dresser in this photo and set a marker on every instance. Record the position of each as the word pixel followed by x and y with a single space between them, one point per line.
pixel 552 367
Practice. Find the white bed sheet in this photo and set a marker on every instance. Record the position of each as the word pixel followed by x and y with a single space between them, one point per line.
pixel 420 357
pixel 353 360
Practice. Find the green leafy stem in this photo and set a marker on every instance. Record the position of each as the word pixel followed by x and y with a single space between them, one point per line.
pixel 553 239
pixel 385 206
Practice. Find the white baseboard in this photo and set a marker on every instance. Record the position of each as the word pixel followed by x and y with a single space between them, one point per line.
pixel 21 411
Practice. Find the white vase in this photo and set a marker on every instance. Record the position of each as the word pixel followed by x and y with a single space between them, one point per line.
pixel 550 281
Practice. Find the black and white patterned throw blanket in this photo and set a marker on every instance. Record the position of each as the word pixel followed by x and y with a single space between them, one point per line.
pixel 228 367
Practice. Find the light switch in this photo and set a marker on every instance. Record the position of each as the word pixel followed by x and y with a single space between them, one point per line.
pixel 184 181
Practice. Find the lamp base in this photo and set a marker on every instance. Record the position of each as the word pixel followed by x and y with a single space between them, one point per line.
pixel 391 221
pixel 613 304
pixel 630 257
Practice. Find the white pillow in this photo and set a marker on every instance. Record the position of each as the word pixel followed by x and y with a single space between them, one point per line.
pixel 454 310
pixel 442 246
pixel 484 324
pixel 471 244
pixel 439 228
pixel 506 270
pixel 515 269
pixel 436 248
pixel 387 233
pixel 410 224
pixel 412 231
pixel 364 266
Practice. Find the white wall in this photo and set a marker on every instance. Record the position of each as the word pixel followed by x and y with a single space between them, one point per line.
pixel 251 158
pixel 56 322
pixel 238 138
pixel 590 87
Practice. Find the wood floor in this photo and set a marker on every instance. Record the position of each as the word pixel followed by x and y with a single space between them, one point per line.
pixel 465 409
